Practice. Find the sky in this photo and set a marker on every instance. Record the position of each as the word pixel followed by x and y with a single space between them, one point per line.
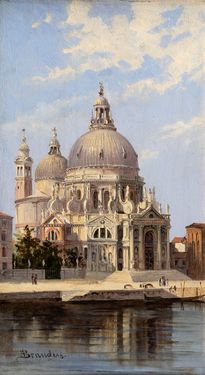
pixel 150 57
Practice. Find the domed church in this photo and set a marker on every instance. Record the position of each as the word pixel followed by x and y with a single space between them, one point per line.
pixel 95 202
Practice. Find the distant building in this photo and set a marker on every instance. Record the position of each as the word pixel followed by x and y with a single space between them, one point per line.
pixel 178 254
pixel 94 203
pixel 5 241
pixel 196 250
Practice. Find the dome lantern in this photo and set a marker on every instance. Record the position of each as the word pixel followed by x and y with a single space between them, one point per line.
pixel 54 144
pixel 101 117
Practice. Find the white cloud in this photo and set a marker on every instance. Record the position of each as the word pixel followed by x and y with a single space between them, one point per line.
pixel 44 115
pixel 35 25
pixel 56 73
pixel 182 129
pixel 48 18
pixel 148 154
pixel 99 45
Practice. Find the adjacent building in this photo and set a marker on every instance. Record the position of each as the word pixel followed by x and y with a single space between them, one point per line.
pixel 95 202
pixel 195 234
pixel 5 242
pixel 178 254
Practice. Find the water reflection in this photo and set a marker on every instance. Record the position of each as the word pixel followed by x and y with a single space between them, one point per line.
pixel 95 337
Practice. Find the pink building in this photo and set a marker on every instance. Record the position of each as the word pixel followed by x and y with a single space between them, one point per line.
pixel 5 242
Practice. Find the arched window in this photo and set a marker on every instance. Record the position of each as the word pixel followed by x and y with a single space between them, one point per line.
pixel 136 234
pixel 120 233
pixel 197 247
pixel 102 233
pixel 193 249
pixel 95 199
pixel 109 234
pixel 123 193
pixel 96 234
pixel 106 199
pixel 3 252
pixel 78 194
pixel 52 235
pixel 3 236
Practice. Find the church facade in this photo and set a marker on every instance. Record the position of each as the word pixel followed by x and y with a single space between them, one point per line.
pixel 94 203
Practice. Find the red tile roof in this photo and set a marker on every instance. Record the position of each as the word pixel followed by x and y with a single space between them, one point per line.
pixel 178 240
pixel 196 225
pixel 3 214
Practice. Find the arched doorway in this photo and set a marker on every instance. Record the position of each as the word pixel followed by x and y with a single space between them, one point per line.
pixel 149 251
pixel 120 259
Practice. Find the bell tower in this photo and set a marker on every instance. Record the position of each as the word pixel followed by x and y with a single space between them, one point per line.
pixel 23 170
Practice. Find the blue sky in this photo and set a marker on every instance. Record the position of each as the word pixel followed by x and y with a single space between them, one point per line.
pixel 150 57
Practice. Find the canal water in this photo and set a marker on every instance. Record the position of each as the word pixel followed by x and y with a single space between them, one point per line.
pixel 56 338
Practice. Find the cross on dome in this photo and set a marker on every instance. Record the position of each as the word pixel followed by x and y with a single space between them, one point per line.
pixel 101 91
pixel 24 135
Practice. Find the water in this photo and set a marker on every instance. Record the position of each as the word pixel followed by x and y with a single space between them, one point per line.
pixel 46 339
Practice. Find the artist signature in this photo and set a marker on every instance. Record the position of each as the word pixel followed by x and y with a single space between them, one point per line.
pixel 26 354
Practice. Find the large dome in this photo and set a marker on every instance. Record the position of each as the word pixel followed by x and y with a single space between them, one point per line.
pixel 52 167
pixel 102 147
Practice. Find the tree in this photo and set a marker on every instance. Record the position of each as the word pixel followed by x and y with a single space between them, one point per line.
pixel 50 255
pixel 71 261
pixel 26 249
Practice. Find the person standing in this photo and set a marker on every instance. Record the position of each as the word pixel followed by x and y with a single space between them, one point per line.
pixel 36 279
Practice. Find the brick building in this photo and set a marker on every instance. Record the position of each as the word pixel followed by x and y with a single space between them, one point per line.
pixel 196 250
pixel 5 241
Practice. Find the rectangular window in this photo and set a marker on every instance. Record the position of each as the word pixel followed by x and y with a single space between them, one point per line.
pixel 4 266
pixel 3 236
pixel 4 223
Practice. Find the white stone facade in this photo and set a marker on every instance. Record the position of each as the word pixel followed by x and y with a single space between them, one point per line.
pixel 98 204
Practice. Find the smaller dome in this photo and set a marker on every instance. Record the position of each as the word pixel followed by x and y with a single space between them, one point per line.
pixel 52 167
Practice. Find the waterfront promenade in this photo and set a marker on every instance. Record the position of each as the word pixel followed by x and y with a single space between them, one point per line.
pixel 72 288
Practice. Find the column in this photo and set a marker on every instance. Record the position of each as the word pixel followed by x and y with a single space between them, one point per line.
pixel 125 258
pixel 141 252
pixel 168 251
pixel 159 247
pixel 131 248
pixel 97 257
pixel 89 255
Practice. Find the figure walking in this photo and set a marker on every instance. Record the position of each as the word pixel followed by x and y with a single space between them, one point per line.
pixel 36 279
pixel 32 278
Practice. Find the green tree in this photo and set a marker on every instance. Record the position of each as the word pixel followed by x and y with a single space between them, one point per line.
pixel 26 248
pixel 71 260
pixel 50 255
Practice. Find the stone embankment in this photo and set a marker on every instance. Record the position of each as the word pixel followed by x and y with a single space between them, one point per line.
pixel 116 287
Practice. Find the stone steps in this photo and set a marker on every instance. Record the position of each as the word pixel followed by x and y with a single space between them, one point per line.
pixel 144 276
pixel 120 276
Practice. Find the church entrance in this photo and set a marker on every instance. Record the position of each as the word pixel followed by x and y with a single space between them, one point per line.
pixel 149 251
pixel 119 259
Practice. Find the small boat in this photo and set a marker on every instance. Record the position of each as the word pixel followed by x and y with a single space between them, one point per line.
pixel 168 300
